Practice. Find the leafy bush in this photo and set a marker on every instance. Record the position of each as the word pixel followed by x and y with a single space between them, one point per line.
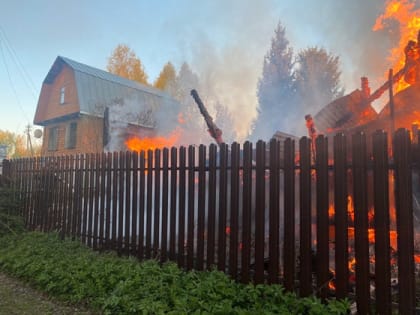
pixel 10 219
pixel 115 285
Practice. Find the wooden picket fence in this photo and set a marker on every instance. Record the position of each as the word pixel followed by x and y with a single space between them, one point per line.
pixel 260 214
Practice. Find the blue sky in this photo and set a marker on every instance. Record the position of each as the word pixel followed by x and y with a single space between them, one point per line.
pixel 226 39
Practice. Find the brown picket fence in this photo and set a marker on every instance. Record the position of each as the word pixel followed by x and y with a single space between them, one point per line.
pixel 269 213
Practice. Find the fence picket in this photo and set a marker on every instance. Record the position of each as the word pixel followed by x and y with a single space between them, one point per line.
pixel 211 226
pixel 381 221
pixel 322 223
pixel 404 210
pixel 234 209
pixel 165 193
pixel 361 222
pixel 181 205
pixel 260 212
pixel 341 216
pixel 156 204
pixel 289 215
pixel 246 214
pixel 201 206
pixel 305 249
pixel 191 207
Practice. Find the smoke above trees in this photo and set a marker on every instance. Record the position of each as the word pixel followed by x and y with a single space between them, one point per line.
pixel 292 86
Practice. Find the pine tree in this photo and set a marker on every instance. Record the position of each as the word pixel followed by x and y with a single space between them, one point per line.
pixel 317 79
pixel 275 88
pixel 124 62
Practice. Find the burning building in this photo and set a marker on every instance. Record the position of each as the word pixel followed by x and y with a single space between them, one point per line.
pixel 85 110
pixel 354 112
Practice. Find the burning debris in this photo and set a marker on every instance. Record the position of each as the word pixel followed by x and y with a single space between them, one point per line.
pixel 214 131
pixel 353 112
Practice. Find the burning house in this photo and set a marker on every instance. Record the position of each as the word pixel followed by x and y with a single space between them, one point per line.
pixel 87 110
pixel 353 112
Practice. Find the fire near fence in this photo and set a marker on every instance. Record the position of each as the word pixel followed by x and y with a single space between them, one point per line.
pixel 340 223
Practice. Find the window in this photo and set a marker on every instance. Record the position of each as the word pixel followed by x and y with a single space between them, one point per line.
pixel 62 95
pixel 71 132
pixel 52 138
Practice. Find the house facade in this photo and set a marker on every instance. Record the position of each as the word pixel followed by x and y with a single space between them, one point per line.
pixel 75 102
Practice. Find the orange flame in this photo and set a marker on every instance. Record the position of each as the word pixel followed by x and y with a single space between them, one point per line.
pixel 408 19
pixel 152 143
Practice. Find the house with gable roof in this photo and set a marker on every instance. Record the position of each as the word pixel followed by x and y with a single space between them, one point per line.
pixel 79 108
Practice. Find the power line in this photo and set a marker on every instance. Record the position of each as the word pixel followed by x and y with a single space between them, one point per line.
pixel 26 77
pixel 11 82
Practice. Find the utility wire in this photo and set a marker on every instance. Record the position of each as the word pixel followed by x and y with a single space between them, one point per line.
pixel 11 82
pixel 26 77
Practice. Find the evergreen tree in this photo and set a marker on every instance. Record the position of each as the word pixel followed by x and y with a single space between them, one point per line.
pixel 317 79
pixel 166 81
pixel 124 62
pixel 275 88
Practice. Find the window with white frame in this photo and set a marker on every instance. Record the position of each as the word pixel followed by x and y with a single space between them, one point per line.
pixel 62 95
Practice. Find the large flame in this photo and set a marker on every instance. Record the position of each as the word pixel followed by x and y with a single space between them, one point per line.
pixel 408 18
pixel 152 143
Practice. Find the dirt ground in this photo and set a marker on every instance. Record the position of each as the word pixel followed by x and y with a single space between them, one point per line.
pixel 18 298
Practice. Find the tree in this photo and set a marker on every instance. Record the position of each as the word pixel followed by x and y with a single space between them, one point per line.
pixel 275 87
pixel 317 79
pixel 166 81
pixel 15 144
pixel 124 62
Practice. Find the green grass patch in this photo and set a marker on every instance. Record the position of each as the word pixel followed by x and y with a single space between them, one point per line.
pixel 116 285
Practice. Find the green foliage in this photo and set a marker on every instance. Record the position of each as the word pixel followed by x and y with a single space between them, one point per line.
pixel 10 219
pixel 115 285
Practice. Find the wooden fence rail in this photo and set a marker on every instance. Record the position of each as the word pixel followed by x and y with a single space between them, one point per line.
pixel 267 213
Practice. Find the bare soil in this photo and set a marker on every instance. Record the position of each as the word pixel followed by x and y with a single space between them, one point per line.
pixel 18 298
